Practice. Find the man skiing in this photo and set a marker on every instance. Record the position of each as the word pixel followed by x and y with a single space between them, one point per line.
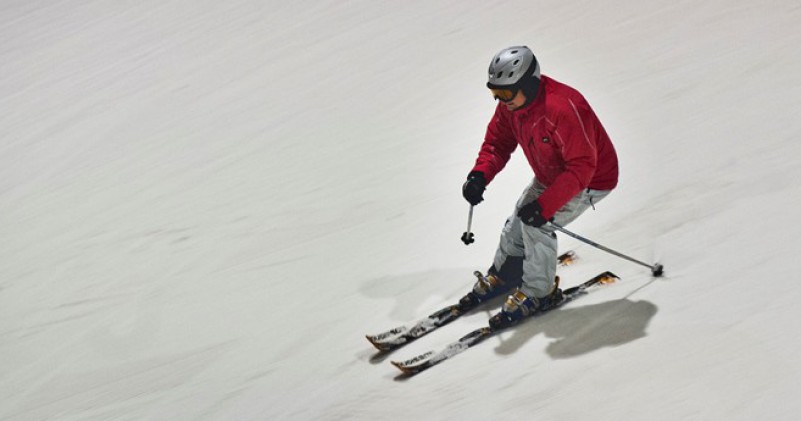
pixel 574 164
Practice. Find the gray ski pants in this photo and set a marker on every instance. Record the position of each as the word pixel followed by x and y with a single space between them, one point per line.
pixel 538 246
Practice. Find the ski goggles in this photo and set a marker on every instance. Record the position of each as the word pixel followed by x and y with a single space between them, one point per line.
pixel 504 94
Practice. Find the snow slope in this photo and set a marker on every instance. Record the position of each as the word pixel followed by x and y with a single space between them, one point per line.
pixel 205 205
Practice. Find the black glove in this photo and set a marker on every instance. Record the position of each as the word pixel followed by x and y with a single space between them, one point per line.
pixel 531 214
pixel 473 188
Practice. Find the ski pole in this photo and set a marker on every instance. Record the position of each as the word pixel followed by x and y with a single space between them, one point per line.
pixel 656 269
pixel 467 237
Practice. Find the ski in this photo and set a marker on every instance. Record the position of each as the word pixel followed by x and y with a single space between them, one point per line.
pixel 429 359
pixel 397 337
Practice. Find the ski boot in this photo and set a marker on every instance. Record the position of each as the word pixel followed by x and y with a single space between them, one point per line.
pixel 485 288
pixel 518 306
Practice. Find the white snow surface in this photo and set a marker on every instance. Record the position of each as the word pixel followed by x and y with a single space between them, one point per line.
pixel 205 205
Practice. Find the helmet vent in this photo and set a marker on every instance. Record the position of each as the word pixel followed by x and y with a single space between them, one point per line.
pixel 514 51
pixel 516 61
pixel 511 74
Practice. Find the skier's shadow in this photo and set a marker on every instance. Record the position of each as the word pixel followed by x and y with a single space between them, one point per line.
pixel 580 330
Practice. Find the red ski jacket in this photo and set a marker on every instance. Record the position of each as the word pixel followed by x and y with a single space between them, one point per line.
pixel 563 140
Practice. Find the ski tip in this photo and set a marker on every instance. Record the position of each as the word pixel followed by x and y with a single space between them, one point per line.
pixel 567 258
pixel 414 365
pixel 608 277
pixel 402 367
pixel 406 370
pixel 388 340
pixel 373 343
pixel 379 346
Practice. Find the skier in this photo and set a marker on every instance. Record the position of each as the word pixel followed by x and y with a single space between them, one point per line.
pixel 574 164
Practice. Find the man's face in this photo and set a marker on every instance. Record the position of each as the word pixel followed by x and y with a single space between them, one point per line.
pixel 513 99
pixel 517 102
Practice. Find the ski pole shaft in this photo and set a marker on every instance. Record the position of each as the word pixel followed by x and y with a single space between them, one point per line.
pixel 467 237
pixel 656 269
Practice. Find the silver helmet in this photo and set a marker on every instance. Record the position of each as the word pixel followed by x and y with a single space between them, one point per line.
pixel 511 65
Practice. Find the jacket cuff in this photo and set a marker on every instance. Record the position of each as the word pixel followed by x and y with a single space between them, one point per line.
pixel 477 174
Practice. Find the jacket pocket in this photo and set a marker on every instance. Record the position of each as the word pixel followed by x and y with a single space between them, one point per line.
pixel 544 148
